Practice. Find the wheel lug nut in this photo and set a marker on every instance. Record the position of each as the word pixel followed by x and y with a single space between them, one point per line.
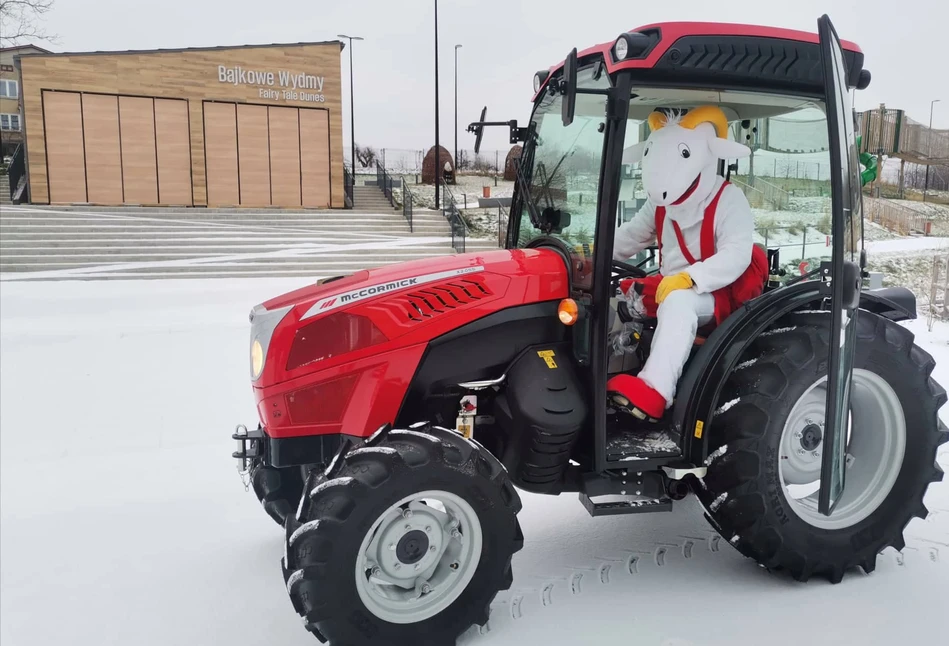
pixel 391 547
pixel 407 527
pixel 407 513
pixel 432 549
pixel 376 571
pixel 428 529
pixel 418 566
pixel 426 588
pixel 800 451
pixel 397 566
pixel 816 454
pixel 456 534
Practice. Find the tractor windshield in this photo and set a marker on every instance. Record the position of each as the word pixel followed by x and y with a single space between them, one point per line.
pixel 562 168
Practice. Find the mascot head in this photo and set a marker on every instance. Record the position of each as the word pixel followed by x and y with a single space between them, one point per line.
pixel 680 156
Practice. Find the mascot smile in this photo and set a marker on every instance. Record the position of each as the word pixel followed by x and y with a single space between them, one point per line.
pixel 708 262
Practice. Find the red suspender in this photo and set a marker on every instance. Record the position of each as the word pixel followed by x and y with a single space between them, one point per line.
pixel 707 236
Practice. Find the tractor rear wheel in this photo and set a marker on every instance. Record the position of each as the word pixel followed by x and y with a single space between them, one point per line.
pixel 407 542
pixel 760 491
pixel 278 490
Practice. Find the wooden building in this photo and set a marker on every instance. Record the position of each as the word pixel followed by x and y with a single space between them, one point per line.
pixel 250 126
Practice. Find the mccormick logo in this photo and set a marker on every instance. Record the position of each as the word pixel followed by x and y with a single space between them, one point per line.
pixel 339 300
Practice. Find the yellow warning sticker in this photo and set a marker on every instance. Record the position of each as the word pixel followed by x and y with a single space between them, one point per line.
pixel 699 425
pixel 548 356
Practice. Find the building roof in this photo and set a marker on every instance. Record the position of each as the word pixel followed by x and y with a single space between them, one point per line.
pixel 18 47
pixel 182 49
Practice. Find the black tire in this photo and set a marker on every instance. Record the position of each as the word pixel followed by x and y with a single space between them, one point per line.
pixel 742 494
pixel 323 545
pixel 278 490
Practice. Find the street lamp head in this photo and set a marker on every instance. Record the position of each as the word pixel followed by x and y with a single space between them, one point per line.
pixel 457 46
pixel 349 37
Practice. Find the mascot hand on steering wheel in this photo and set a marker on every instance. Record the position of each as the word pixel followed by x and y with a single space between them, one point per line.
pixel 708 262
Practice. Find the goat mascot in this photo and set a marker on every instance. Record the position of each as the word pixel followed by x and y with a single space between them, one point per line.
pixel 708 262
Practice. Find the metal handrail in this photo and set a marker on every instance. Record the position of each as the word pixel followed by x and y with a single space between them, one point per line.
pixel 348 187
pixel 17 169
pixel 459 229
pixel 407 204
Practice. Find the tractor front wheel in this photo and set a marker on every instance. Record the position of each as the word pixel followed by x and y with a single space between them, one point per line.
pixel 763 477
pixel 407 542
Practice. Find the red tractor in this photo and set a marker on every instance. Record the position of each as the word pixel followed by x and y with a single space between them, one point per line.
pixel 402 408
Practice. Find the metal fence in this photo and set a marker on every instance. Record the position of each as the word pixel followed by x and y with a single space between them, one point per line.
pixel 896 217
pixel 459 229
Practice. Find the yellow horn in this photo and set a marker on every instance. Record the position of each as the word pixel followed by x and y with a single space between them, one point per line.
pixel 656 120
pixel 706 114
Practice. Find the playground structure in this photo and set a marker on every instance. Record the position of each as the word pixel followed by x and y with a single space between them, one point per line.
pixel 894 134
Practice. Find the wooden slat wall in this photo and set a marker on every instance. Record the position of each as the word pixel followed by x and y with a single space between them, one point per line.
pixel 64 153
pixel 100 120
pixel 220 145
pixel 315 157
pixel 174 152
pixel 139 166
pixel 285 156
pixel 190 75
pixel 253 155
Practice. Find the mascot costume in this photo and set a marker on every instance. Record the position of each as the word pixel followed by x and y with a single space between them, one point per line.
pixel 708 262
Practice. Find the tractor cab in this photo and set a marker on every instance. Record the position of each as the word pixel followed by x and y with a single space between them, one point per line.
pixel 785 95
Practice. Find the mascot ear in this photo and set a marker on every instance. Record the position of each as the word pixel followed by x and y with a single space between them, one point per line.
pixel 726 149
pixel 634 154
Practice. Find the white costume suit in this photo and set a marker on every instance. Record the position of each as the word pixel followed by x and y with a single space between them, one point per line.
pixel 683 311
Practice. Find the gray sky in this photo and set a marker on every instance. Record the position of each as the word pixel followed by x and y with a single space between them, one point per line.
pixel 504 43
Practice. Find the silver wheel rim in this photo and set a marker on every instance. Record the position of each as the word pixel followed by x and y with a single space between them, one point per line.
pixel 876 443
pixel 418 557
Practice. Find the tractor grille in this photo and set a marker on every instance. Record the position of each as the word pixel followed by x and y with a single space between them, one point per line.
pixel 425 304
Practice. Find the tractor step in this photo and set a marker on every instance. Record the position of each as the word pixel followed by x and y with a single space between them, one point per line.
pixel 625 505
pixel 653 443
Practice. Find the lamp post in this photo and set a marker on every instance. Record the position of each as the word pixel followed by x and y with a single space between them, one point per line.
pixel 352 104
pixel 437 150
pixel 457 47
pixel 930 153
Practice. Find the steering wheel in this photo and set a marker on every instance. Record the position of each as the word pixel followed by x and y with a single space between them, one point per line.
pixel 625 270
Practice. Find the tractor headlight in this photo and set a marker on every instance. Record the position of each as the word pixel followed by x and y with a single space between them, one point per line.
pixel 621 48
pixel 263 324
pixel 256 359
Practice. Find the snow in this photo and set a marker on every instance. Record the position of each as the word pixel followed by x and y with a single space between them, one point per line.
pixel 727 405
pixel 903 245
pixel 123 517
pixel 716 454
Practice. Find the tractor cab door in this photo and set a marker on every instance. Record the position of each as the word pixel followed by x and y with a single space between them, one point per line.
pixel 841 276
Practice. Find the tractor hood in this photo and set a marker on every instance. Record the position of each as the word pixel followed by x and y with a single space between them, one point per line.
pixel 362 336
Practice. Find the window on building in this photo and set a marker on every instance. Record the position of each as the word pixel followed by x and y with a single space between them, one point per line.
pixel 9 89
pixel 9 122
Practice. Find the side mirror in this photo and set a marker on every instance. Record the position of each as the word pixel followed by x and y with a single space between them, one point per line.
pixel 568 87
pixel 479 132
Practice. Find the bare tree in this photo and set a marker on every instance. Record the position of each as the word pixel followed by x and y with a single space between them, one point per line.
pixel 365 155
pixel 20 21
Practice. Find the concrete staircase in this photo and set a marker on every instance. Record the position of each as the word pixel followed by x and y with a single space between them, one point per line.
pixel 96 243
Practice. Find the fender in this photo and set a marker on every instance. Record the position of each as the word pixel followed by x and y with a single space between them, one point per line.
pixel 707 372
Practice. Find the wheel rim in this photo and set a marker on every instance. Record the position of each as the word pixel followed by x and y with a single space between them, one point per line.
pixel 418 557
pixel 876 443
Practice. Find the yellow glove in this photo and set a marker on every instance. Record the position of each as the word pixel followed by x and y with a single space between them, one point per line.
pixel 669 284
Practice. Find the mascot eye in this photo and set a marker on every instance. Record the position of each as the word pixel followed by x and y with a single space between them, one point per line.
pixel 684 151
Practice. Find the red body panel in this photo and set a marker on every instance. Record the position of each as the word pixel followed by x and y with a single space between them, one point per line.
pixel 365 388
pixel 673 31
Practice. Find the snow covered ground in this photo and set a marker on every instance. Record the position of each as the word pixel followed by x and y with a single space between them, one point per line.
pixel 123 521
